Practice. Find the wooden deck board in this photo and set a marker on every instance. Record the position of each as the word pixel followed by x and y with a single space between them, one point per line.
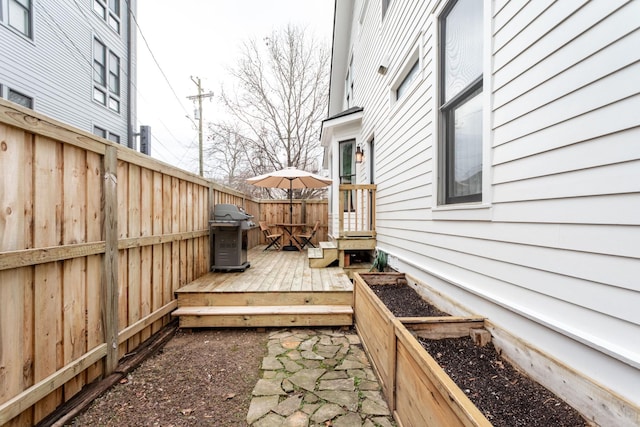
pixel 273 271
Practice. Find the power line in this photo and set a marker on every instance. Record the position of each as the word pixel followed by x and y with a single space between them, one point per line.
pixel 82 59
pixel 154 57
pixel 49 19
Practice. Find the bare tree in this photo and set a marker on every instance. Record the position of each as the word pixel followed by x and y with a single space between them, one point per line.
pixel 277 105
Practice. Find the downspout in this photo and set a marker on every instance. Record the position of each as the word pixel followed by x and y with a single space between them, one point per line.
pixel 130 110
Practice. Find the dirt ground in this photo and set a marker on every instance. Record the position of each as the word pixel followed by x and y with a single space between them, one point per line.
pixel 205 378
pixel 200 378
pixel 505 396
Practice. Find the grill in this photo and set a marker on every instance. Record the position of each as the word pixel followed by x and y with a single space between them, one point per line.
pixel 229 228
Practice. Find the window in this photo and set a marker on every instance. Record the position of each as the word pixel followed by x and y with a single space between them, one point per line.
pixel 20 99
pixel 109 10
pixel 106 135
pixel 115 138
pixel 407 80
pixel 19 16
pixel 385 6
pixel 100 132
pixel 461 102
pixel 348 85
pixel 106 89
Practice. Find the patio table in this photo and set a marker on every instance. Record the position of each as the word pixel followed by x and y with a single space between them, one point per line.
pixel 290 230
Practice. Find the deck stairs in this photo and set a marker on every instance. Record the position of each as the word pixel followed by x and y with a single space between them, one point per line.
pixel 343 250
pixel 279 289
pixel 324 255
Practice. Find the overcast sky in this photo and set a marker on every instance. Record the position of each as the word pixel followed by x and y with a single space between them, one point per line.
pixel 200 38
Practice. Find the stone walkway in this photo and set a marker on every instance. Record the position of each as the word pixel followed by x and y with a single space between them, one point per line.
pixel 317 377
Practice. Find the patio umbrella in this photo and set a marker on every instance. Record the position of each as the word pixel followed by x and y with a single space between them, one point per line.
pixel 290 178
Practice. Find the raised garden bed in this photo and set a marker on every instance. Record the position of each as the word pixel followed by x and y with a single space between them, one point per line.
pixel 476 387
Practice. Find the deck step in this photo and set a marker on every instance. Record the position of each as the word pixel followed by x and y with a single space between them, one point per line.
pixel 323 256
pixel 328 245
pixel 266 298
pixel 265 316
pixel 314 253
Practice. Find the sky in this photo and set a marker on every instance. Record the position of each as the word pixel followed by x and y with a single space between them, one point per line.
pixel 201 38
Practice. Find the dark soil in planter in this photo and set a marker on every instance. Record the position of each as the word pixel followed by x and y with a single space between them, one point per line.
pixel 403 301
pixel 504 395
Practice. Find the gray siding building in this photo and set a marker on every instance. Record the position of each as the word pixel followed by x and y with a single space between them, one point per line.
pixel 73 60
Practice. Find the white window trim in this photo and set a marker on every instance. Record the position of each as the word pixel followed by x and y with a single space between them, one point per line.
pixel 473 211
pixel 414 54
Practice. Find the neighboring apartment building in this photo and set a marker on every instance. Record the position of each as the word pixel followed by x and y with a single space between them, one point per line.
pixel 73 60
pixel 504 140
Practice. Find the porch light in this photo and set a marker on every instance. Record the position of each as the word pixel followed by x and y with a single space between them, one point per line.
pixel 359 154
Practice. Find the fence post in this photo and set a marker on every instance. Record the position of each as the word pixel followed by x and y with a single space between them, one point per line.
pixel 110 264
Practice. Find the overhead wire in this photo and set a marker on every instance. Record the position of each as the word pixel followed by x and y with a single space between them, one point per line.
pixel 154 57
pixel 50 21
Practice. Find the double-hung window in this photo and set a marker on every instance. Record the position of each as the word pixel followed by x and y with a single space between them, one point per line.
pixel 106 76
pixel 19 16
pixel 461 102
pixel 109 10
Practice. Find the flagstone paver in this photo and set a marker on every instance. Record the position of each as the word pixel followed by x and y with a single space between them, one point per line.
pixel 317 377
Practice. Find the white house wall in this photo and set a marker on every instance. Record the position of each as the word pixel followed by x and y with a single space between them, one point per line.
pixel 552 255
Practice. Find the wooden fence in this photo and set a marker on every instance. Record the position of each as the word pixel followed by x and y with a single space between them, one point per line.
pixel 304 211
pixel 94 240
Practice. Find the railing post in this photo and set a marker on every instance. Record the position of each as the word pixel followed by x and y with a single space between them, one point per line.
pixel 110 264
pixel 340 212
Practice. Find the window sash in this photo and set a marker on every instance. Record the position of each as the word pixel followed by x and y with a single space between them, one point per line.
pixel 99 62
pixel 463 149
pixel 99 132
pixel 114 74
pixel 114 7
pixel 461 52
pixel 19 16
pixel 20 99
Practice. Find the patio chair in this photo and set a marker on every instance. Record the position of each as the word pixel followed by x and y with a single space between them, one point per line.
pixel 273 239
pixel 305 238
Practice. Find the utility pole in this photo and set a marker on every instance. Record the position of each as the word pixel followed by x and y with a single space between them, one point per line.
pixel 199 97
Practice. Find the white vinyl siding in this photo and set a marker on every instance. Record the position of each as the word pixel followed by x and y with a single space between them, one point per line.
pixel 555 259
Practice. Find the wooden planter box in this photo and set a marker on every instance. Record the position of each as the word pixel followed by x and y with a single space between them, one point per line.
pixel 417 390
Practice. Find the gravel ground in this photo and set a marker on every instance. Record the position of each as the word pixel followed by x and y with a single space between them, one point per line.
pixel 505 396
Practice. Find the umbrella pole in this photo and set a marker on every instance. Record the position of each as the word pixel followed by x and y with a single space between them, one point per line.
pixel 290 202
pixel 290 247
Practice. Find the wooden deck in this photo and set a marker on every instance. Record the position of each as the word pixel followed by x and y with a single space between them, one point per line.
pixel 279 289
